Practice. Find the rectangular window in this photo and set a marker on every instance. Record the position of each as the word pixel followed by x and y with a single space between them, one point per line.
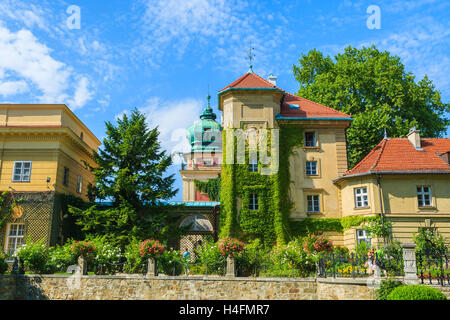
pixel 311 168
pixel 310 139
pixel 253 205
pixel 313 203
pixel 363 236
pixel 361 198
pixel 22 171
pixel 253 166
pixel 66 176
pixel 15 237
pixel 79 184
pixel 424 196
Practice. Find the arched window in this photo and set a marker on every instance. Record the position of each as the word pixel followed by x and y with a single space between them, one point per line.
pixel 199 223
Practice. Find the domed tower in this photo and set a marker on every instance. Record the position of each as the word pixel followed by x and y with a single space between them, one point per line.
pixel 204 160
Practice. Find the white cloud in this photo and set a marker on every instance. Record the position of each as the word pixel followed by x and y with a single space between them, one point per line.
pixel 9 88
pixel 27 62
pixel 172 119
pixel 82 94
pixel 421 48
pixel 221 30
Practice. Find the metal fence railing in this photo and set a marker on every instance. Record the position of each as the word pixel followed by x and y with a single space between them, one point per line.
pixel 433 269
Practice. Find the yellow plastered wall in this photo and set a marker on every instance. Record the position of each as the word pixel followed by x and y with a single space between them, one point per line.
pixel 400 205
pixel 330 154
pixel 48 136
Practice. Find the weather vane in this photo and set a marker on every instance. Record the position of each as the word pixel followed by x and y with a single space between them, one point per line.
pixel 250 57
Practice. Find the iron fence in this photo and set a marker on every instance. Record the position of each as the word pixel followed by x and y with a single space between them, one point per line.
pixel 433 268
pixel 357 265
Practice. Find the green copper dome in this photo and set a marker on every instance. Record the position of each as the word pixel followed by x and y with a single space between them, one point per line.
pixel 205 134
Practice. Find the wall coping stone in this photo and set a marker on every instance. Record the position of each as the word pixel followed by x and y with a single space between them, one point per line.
pixel 164 277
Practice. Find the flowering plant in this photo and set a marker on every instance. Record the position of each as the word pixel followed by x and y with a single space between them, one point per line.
pixel 86 248
pixel 317 243
pixel 230 246
pixel 151 248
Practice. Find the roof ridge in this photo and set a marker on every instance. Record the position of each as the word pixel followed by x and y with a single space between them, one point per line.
pixel 363 159
pixel 380 154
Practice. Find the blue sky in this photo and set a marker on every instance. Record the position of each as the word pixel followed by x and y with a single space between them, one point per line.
pixel 161 55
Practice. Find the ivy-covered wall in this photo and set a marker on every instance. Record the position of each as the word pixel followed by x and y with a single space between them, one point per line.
pixel 270 222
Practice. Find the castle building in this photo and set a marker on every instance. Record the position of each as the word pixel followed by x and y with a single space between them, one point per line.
pixel 405 180
pixel 43 152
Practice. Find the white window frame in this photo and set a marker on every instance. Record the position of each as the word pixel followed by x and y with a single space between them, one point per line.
pixel 309 169
pixel 22 176
pixel 363 235
pixel 15 236
pixel 361 197
pixel 253 166
pixel 253 201
pixel 314 139
pixel 79 184
pixel 314 200
pixel 421 195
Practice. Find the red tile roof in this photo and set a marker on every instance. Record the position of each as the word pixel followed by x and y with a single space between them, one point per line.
pixel 307 109
pixel 399 155
pixel 251 80
pixel 292 106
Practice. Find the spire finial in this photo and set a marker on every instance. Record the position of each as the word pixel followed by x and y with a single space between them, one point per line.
pixel 385 135
pixel 250 57
pixel 208 97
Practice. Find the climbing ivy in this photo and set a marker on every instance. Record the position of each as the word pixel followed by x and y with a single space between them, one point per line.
pixel 315 225
pixel 7 207
pixel 210 187
pixel 270 222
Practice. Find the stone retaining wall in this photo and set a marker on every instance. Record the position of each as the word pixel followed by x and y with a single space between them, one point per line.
pixel 61 287
pixel 138 287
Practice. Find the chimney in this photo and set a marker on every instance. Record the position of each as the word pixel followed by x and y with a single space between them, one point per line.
pixel 272 79
pixel 414 137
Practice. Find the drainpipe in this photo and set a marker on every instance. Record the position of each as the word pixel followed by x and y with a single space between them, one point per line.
pixel 381 205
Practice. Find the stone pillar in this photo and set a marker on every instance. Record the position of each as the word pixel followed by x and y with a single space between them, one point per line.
pixel 82 264
pixel 151 268
pixel 231 266
pixel 409 263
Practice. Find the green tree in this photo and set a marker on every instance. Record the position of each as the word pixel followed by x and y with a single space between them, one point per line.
pixel 374 88
pixel 131 172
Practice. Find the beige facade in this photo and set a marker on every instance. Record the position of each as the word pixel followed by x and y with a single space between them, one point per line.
pixel 251 102
pixel 396 197
pixel 50 138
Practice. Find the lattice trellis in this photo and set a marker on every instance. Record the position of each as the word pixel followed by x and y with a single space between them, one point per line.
pixel 36 211
pixel 191 241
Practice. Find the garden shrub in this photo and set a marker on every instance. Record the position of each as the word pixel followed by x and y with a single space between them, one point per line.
pixel 252 258
pixel 317 243
pixel 362 249
pixel 106 257
pixel 429 243
pixel 171 263
pixel 291 260
pixel 341 251
pixel 61 257
pixel 3 264
pixel 386 287
pixel 134 262
pixel 230 246
pixel 208 255
pixel 416 292
pixel 35 257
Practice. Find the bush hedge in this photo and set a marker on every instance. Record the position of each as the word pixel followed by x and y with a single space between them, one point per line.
pixel 386 287
pixel 416 292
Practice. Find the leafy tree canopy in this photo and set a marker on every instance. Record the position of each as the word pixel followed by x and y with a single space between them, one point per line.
pixel 374 88
pixel 130 172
